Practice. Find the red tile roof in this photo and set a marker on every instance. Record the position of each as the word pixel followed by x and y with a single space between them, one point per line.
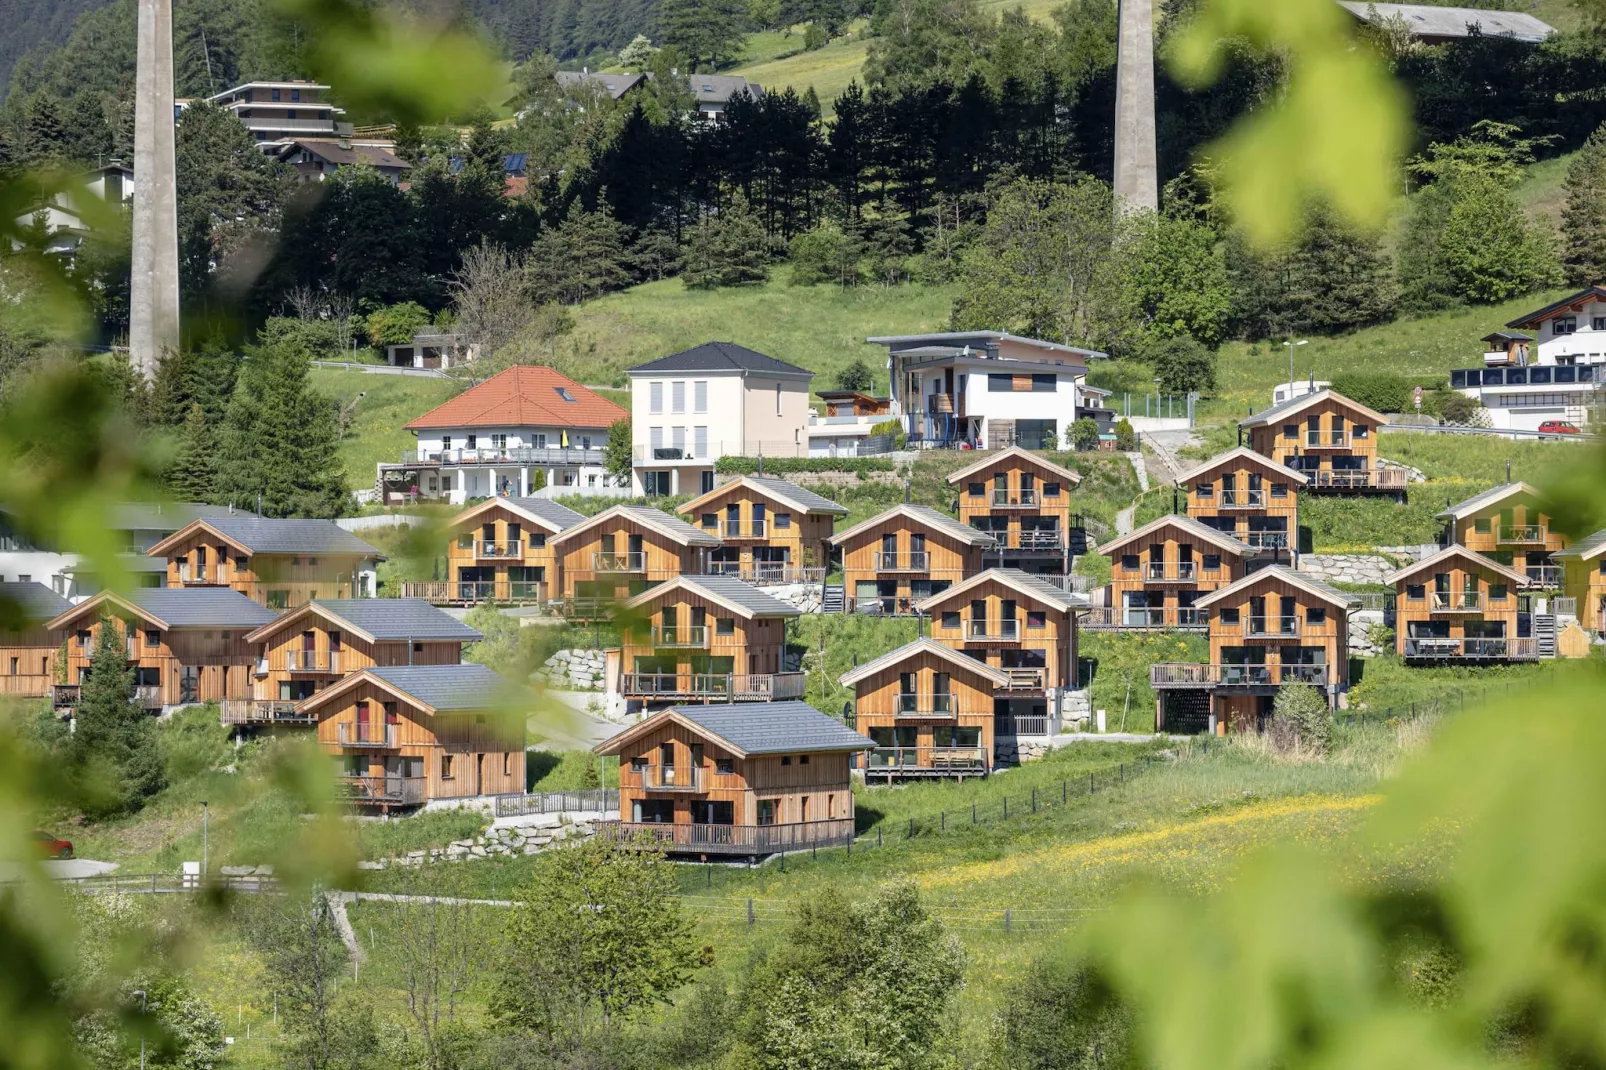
pixel 522 396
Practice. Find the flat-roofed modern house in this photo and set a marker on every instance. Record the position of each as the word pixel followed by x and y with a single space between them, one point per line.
pixel 279 563
pixel 747 779
pixel 303 651
pixel 1159 572
pixel 844 429
pixel 1026 628
pixel 622 551
pixel 500 551
pixel 1507 524
pixel 985 389
pixel 710 401
pixel 185 645
pixel 431 348
pixel 929 709
pixel 28 647
pixel 705 639
pixel 908 553
pixel 1460 607
pixel 1584 578
pixel 405 735
pixel 1550 365
pixel 523 427
pixel 1433 25
pixel 1328 437
pixel 772 531
pixel 1024 502
pixel 278 112
pixel 1274 627
pixel 1252 498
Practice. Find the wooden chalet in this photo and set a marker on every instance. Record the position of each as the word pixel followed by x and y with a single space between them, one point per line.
pixel 1024 502
pixel 624 550
pixel 1328 437
pixel 1274 627
pixel 1249 496
pixel 405 735
pixel 855 403
pixel 305 650
pixel 500 551
pixel 928 707
pixel 279 563
pixel 1583 566
pixel 1160 572
pixel 1023 626
pixel 705 638
pixel 28 647
pixel 746 779
pixel 186 645
pixel 908 553
pixel 1462 607
pixel 772 531
pixel 1506 524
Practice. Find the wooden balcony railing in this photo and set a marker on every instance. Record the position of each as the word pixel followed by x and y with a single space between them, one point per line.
pixel 381 790
pixel 367 734
pixel 1359 479
pixel 1512 649
pixel 1025 679
pixel 632 561
pixel 449 593
pixel 491 551
pixel 693 637
pixel 926 706
pixel 996 631
pixel 1521 533
pixel 672 778
pixel 737 687
pixel 319 661
pixel 263 711
pixel 919 561
pixel 730 839
pixel 1455 602
pixel 926 759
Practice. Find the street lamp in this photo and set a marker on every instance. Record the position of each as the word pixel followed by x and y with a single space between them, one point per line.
pixel 1291 344
pixel 140 992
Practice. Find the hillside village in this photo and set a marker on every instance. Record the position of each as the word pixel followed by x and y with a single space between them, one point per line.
pixel 680 535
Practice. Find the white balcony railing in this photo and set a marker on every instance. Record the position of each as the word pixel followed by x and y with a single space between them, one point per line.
pixel 999 631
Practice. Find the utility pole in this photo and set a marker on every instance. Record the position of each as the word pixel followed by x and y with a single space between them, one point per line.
pixel 1137 167
pixel 153 298
pixel 205 814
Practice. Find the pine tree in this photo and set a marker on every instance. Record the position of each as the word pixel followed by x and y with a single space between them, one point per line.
pixel 1584 217
pixel 114 746
pixel 709 33
pixel 193 477
pixel 44 135
pixel 728 249
pixel 278 442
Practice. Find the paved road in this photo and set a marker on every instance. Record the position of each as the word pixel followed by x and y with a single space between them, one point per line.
pixel 568 726
pixel 61 869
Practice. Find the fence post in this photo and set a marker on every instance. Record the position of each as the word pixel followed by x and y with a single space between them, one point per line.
pixel 942 818
pixel 972 813
pixel 1007 920
pixel 1091 786
pixel 783 861
pixel 1065 795
pixel 1006 806
pixel 709 866
pixel 1123 772
pixel 911 828
pixel 1034 800
pixel 750 910
pixel 878 836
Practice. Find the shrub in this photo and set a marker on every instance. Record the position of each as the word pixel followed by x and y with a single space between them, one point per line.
pixel 741 466
pixel 815 37
pixel 1301 720
pixel 1182 365
pixel 397 324
pixel 1083 434
pixel 825 254
pixel 1126 439
pixel 1383 391
pixel 1452 406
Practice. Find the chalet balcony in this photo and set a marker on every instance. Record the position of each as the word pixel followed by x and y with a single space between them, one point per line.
pixel 762 572
pixel 64 695
pixel 1512 649
pixel 498 551
pixel 1019 499
pixel 1265 540
pixel 1243 499
pixel 675 778
pixel 727 687
pixel 318 661
pixel 1314 675
pixel 925 761
pixel 149 697
pixel 1039 541
pixel 1025 679
pixel 199 578
pixel 740 530
pixel 1327 440
pixel 691 637
pixel 1184 674
pixel 1521 534
pixel 917 561
pixel 730 839
pixel 926 706
pixel 1171 572
pixel 259 666
pixel 130 648
pixel 381 790
pixel 998 631
pixel 1455 602
pixel 632 561
pixel 465 593
pixel 263 712
pixel 367 734
pixel 1271 627
pixel 1243 675
pixel 1545 577
pixel 1384 480
pixel 566 457
pixel 1199 675
pixel 1119 619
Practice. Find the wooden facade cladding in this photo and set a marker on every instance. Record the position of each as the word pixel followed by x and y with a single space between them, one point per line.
pixel 621 557
pixel 928 703
pixel 375 734
pixel 898 560
pixel 1030 639
pixel 767 789
pixel 498 554
pixel 278 581
pixel 1584 578
pixel 172 666
pixel 1272 632
pixel 760 531
pixel 1459 606
pixel 28 658
pixel 1021 500
pixel 1513 532
pixel 684 634
pixel 1243 496
pixel 304 656
pixel 1159 572
pixel 1329 438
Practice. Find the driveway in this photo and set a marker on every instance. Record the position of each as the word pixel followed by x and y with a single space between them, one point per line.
pixel 61 869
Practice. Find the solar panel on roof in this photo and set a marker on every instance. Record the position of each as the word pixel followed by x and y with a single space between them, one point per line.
pixel 516 161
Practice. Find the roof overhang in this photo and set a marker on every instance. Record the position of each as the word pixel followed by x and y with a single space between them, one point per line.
pixel 1243 453
pixel 301 612
pixel 357 679
pixel 98 602
pixel 690 585
pixel 1295 406
pixel 923 645
pixel 620 512
pixel 1014 453
pixel 620 740
pixel 1451 553
pixel 1463 509
pixel 762 491
pixel 1004 577
pixel 506 503
pixel 187 532
pixel 1182 523
pixel 984 540
pixel 1238 586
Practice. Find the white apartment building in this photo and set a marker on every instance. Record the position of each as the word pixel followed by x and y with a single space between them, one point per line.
pixel 988 389
pixel 278 112
pixel 693 407
pixel 1556 372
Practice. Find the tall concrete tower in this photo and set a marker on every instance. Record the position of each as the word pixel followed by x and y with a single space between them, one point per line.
pixel 1137 170
pixel 153 312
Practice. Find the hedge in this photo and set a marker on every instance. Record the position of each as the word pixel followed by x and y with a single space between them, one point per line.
pixel 1383 391
pixel 741 466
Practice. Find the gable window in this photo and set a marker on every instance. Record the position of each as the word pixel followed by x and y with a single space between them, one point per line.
pixel 1036 618
pixel 724 766
pixel 1497 592
pixel 976 490
pixel 1315 617
pixel 1212 562
pixel 1129 562
pixel 1482 525
pixel 1564 325
pixel 538 541
pixel 1416 592
pixel 241 564
pixel 1290 430
pixel 1205 490
pixel 783 521
pixel 1229 616
pixel 1362 431
pixel 638 765
pixel 803 759
pixel 153 638
pixel 1051 490
pixel 950 618
pixel 446 442
pixel 724 625
pixel 786 759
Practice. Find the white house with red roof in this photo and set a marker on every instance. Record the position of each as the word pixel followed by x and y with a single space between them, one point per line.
pixel 525 432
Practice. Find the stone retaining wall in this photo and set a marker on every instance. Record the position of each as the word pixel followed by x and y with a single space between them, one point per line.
pixel 500 841
pixel 805 596
pixel 573 670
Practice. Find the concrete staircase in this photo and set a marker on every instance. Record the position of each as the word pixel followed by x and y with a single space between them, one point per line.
pixel 1544 627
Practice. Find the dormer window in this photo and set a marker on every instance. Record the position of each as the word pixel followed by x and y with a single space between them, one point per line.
pixel 563 392
pixel 1565 325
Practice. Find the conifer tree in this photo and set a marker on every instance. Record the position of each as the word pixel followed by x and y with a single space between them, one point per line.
pixel 728 249
pixel 278 441
pixel 193 477
pixel 1584 217
pixel 114 746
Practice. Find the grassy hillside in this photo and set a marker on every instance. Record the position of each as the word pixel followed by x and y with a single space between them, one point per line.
pixel 388 402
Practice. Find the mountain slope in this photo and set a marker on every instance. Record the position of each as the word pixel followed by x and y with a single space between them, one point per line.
pixel 31 24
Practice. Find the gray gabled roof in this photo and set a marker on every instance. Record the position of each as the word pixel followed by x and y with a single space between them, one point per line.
pixel 923 645
pixel 719 357
pixel 559 516
pixel 264 535
pixel 615 85
pixel 1026 583
pixel 774 727
pixel 1303 580
pixel 1200 530
pixel 1453 552
pixel 720 88
pixel 34 601
pixel 1288 408
pixel 201 607
pixel 446 687
pixel 645 515
pixel 1585 548
pixel 780 489
pixel 167 516
pixel 926 515
pixel 400 618
pixel 1424 20
pixel 740 596
pixel 1479 502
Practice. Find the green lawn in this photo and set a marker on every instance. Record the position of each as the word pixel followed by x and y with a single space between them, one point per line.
pixel 388 402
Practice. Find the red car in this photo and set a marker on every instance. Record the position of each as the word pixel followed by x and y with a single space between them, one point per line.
pixel 50 847
pixel 1559 427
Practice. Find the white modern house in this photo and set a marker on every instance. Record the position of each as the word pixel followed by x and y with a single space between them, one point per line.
pixel 68 215
pixel 988 389
pixel 278 112
pixel 525 432
pixel 693 407
pixel 845 428
pixel 1549 365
